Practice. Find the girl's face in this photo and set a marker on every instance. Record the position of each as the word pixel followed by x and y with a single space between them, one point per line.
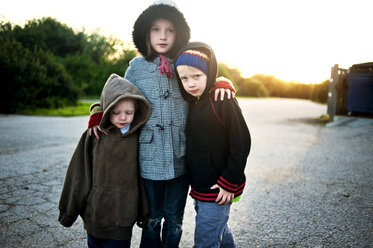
pixel 162 36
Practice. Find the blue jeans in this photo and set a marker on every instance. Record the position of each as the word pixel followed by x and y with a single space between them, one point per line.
pixel 94 242
pixel 211 226
pixel 167 200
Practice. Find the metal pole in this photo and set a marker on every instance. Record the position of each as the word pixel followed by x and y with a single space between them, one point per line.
pixel 332 94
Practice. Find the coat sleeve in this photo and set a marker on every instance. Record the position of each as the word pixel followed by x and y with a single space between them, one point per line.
pixel 78 183
pixel 232 178
pixel 129 74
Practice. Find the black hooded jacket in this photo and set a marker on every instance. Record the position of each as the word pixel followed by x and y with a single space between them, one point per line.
pixel 218 139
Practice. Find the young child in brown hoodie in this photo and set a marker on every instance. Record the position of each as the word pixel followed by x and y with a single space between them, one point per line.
pixel 103 183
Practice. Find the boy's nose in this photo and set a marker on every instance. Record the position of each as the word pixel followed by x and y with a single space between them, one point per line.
pixel 191 84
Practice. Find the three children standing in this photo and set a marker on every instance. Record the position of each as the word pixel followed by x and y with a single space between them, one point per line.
pixel 159 32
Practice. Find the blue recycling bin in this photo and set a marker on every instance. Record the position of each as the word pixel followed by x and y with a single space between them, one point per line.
pixel 360 92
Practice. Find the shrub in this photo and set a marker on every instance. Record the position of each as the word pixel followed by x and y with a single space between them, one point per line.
pixel 30 79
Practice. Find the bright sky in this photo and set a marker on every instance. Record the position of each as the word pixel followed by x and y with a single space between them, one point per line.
pixel 297 40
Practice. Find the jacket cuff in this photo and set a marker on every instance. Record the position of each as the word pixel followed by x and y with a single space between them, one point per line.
pixel 95 117
pixel 230 187
pixel 224 83
pixel 66 221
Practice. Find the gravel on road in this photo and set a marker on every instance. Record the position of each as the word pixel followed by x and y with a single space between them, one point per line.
pixel 308 184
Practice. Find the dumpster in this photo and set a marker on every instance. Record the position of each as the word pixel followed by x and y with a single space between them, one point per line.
pixel 360 88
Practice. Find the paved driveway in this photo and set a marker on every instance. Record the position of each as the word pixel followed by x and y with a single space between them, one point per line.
pixel 307 185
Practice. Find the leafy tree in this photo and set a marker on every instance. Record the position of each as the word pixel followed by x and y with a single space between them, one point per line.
pixel 48 35
pixel 30 79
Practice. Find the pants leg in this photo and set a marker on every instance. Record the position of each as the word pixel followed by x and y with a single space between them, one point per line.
pixel 150 236
pixel 211 226
pixel 94 242
pixel 176 193
pixel 167 200
pixel 227 240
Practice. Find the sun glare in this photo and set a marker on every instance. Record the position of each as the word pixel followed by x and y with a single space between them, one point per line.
pixel 293 40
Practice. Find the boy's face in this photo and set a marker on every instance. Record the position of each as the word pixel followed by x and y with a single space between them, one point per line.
pixel 162 36
pixel 194 80
pixel 122 113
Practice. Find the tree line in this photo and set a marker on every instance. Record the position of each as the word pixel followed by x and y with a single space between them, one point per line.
pixel 47 64
pixel 261 85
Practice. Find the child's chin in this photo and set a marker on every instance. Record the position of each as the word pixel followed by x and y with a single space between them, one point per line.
pixel 120 126
pixel 195 94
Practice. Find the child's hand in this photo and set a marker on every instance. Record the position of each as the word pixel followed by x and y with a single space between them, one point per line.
pixel 223 85
pixel 222 93
pixel 224 196
pixel 95 128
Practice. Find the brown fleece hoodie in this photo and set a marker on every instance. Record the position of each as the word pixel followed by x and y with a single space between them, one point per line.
pixel 103 183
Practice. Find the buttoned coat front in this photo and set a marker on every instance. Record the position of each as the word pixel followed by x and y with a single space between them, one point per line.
pixel 162 139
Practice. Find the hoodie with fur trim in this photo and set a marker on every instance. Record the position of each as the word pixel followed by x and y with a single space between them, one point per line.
pixel 103 183
pixel 162 138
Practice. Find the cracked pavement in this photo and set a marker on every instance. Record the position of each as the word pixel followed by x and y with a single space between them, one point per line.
pixel 308 185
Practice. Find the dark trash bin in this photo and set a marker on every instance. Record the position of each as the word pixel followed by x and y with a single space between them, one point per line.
pixel 360 88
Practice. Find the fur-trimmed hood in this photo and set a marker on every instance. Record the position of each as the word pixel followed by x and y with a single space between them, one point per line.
pixel 159 10
pixel 117 88
pixel 212 68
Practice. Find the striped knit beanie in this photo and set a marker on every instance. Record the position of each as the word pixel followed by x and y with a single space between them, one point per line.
pixel 194 58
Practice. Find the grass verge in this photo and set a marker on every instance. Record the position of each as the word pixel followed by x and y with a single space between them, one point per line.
pixel 81 109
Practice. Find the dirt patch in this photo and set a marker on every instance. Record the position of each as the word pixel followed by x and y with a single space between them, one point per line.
pixel 311 121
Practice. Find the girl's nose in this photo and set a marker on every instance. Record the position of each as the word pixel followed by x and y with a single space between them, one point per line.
pixel 163 34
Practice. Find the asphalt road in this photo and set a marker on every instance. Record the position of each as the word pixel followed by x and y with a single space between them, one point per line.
pixel 308 185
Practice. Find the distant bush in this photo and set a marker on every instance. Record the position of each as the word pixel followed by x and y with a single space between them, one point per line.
pixel 31 79
pixel 47 64
pixel 252 87
pixel 319 92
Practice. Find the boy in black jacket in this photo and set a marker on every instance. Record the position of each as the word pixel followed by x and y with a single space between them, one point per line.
pixel 217 146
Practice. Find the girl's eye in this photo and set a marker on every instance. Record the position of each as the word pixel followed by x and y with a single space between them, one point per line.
pixel 171 30
pixel 154 29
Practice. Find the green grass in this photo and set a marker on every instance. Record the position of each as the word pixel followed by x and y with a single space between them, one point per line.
pixel 82 108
